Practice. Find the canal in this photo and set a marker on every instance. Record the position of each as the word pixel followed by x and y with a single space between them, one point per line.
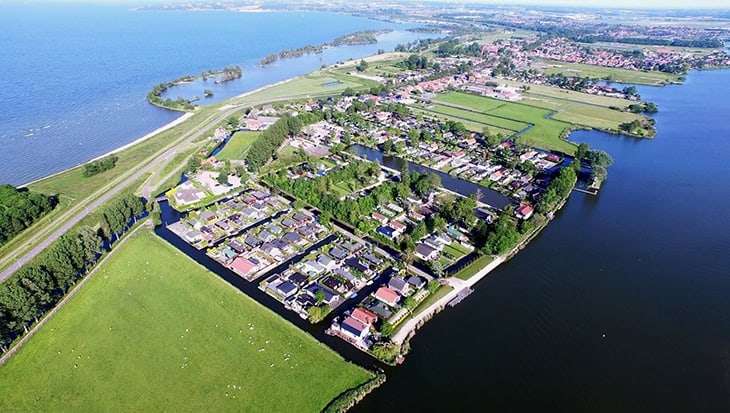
pixel 452 183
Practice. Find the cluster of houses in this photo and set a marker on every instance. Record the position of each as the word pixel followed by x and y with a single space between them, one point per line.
pixel 204 184
pixel 466 155
pixel 393 221
pixel 206 226
pixel 326 277
pixel 251 253
pixel 387 304
pixel 259 119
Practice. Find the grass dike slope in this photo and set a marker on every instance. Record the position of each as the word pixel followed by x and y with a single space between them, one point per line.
pixel 154 331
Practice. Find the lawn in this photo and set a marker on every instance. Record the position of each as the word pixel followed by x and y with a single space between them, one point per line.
pixel 490 121
pixel 146 335
pixel 474 267
pixel 239 144
pixel 470 125
pixel 654 78
pixel 442 291
pixel 472 101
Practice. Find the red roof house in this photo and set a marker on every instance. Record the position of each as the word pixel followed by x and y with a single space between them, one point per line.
pixel 387 296
pixel 242 266
pixel 363 315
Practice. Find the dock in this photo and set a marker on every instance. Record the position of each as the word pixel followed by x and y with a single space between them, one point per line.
pixel 460 297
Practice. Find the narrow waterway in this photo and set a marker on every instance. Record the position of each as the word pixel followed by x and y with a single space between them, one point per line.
pixel 452 183
pixel 621 304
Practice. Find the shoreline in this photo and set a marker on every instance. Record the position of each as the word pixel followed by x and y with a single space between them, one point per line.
pixel 149 135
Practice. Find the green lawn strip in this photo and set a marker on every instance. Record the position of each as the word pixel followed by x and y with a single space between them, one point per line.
pixel 456 253
pixel 238 145
pixel 466 99
pixel 617 74
pixel 152 336
pixel 428 301
pixel 474 267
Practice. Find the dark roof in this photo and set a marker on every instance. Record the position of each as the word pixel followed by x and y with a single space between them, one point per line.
pixel 387 231
pixel 301 217
pixel 338 253
pixel 286 287
pixel 298 278
pixel 293 237
pixel 288 222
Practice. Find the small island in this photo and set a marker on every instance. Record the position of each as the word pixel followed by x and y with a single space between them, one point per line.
pixel 352 39
pixel 186 105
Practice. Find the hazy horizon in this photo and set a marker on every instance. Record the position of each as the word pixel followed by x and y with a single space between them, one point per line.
pixel 608 4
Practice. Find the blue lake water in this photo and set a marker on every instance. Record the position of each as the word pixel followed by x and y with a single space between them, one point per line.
pixel 74 78
pixel 645 263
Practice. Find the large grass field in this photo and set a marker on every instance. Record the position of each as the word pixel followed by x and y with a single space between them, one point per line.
pixel 154 331
pixel 468 124
pixel 238 145
pixel 616 74
pixel 545 132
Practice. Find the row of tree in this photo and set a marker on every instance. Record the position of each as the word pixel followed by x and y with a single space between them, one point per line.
pixel 558 189
pixel 271 139
pixel 39 285
pixel 100 165
pixel 20 208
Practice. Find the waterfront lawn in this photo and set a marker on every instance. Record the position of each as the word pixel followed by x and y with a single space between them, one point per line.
pixel 428 301
pixel 238 145
pixel 474 267
pixel 653 78
pixel 154 331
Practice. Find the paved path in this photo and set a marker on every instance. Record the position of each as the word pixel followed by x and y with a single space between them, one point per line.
pixel 458 285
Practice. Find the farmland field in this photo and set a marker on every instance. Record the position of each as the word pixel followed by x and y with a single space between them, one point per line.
pixel 154 331
pixel 544 134
pixel 652 78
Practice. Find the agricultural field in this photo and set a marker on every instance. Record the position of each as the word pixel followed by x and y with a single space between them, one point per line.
pixel 238 145
pixel 545 133
pixel 492 121
pixel 653 78
pixel 470 125
pixel 151 336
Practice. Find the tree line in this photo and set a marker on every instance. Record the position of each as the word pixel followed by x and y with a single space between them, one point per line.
pixel 271 139
pixel 20 208
pixel 100 165
pixel 40 284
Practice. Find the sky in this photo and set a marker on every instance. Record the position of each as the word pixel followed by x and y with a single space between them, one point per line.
pixel 663 4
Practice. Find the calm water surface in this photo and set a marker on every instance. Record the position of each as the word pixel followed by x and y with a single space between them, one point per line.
pixel 646 264
pixel 74 77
